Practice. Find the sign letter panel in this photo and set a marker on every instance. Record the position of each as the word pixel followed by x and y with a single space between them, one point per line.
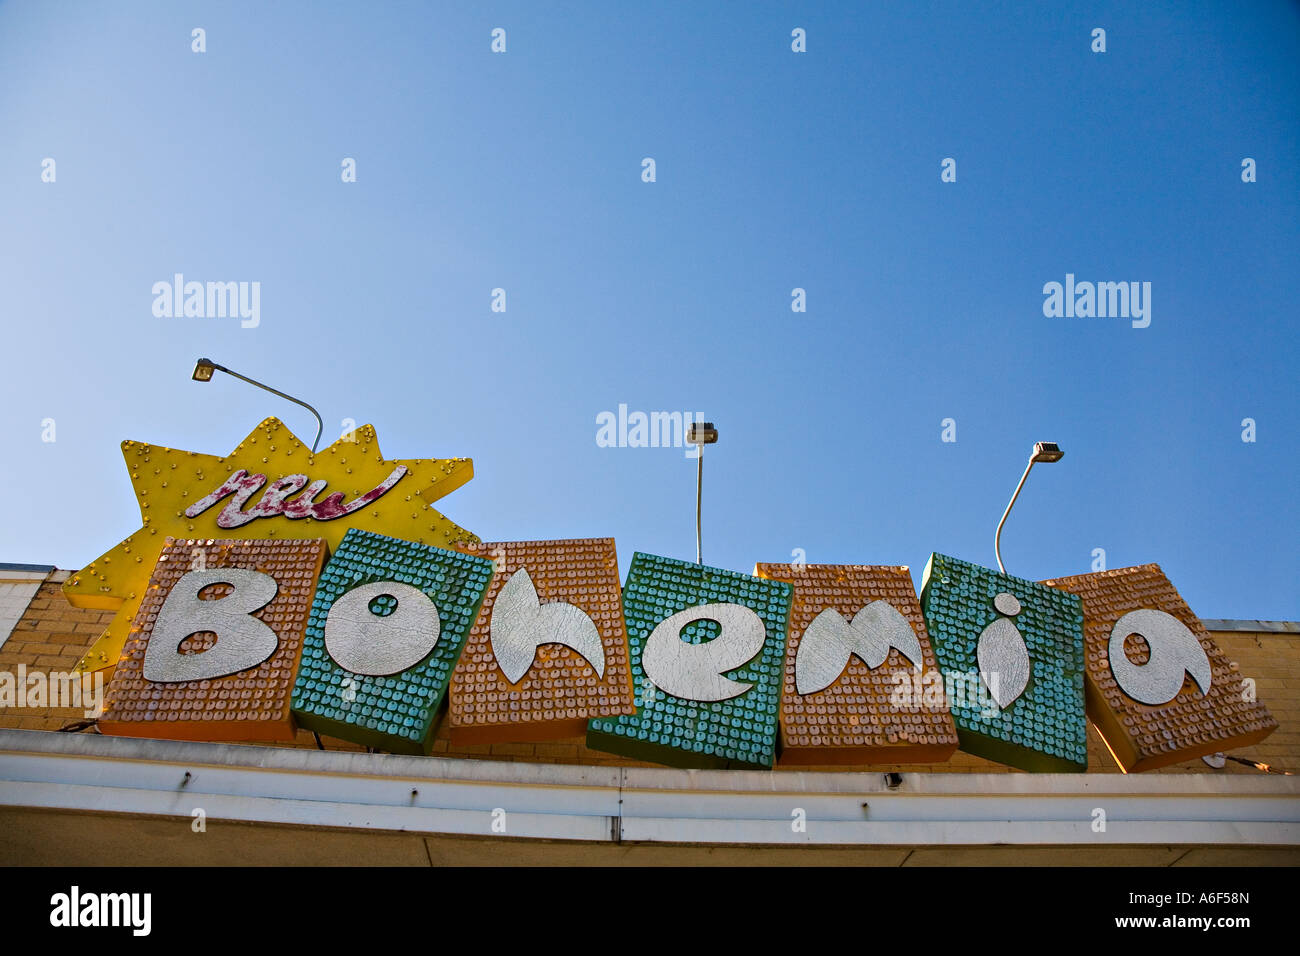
pixel 1159 689
pixel 857 669
pixel 708 648
pixel 212 652
pixel 1011 651
pixel 417 604
pixel 549 650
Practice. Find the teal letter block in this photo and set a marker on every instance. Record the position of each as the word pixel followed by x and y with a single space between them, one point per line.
pixel 396 712
pixel 1011 652
pixel 708 691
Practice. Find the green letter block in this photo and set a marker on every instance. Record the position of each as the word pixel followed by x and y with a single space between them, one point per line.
pixel 707 682
pixel 394 704
pixel 1011 652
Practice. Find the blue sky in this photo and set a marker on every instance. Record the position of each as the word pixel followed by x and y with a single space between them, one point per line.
pixel 774 170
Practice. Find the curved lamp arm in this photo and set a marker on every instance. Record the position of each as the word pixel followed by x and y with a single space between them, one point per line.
pixel 997 538
pixel 203 372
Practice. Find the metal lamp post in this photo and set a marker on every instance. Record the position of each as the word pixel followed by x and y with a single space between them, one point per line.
pixel 1044 451
pixel 701 434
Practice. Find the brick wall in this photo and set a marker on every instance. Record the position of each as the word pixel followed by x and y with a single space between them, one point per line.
pixel 52 636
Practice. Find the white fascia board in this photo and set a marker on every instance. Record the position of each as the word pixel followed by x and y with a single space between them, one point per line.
pixel 313 788
pixel 311 813
pixel 958 833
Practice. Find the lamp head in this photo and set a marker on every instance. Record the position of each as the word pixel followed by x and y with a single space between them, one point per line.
pixel 701 433
pixel 203 370
pixel 1046 451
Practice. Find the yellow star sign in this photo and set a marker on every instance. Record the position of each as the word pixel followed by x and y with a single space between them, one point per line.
pixel 270 486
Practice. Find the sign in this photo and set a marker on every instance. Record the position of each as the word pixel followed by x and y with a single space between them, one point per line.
pixel 387 627
pixel 708 651
pixel 214 647
pixel 1020 643
pixel 270 486
pixel 245 626
pixel 549 650
pixel 857 669
pixel 1159 690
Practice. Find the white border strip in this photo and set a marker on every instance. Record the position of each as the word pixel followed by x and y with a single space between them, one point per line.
pixel 92 773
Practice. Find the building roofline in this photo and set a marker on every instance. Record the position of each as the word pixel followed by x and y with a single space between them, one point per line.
pixel 1273 627
pixel 10 566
